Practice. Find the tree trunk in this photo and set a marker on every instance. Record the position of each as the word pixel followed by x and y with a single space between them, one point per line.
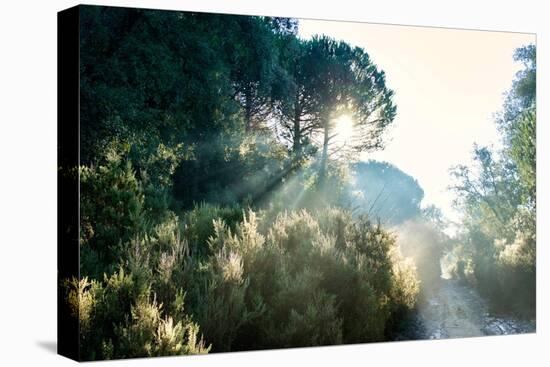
pixel 324 157
pixel 297 143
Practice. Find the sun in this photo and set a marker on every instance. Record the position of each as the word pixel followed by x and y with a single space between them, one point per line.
pixel 343 129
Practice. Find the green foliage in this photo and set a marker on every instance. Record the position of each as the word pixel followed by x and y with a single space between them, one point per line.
pixel 187 107
pixel 522 95
pixel 120 316
pixel 111 213
pixel 182 116
pixel 523 149
pixel 156 170
pixel 79 296
pixel 251 280
pixel 304 288
pixel 499 199
pixel 200 224
pixel 147 334
pixel 294 280
pixel 133 257
pixel 500 235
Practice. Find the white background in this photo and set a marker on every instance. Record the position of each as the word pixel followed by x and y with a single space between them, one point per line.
pixel 28 182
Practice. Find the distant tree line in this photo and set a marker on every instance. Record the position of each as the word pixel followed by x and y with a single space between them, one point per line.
pixel 381 190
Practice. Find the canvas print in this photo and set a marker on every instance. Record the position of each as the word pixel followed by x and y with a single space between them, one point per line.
pixel 236 183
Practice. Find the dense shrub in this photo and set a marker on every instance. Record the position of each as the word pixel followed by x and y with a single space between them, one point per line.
pixel 250 279
pixel 300 287
pixel 111 213
pixel 137 311
pixel 200 224
pixel 119 320
pixel 504 268
pixel 129 302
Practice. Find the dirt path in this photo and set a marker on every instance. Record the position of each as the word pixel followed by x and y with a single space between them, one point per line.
pixel 455 310
pixel 452 312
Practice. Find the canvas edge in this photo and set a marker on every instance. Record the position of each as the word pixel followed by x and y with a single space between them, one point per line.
pixel 68 157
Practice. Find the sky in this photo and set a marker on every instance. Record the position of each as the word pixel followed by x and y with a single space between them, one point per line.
pixel 448 85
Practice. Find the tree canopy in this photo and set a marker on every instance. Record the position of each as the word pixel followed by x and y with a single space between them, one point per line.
pixel 206 88
pixel 383 191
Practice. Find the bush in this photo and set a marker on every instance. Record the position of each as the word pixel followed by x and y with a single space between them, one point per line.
pixel 118 319
pixel 249 280
pixel 502 268
pixel 507 273
pixel 147 334
pixel 133 306
pixel 111 213
pixel 199 224
pixel 297 284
